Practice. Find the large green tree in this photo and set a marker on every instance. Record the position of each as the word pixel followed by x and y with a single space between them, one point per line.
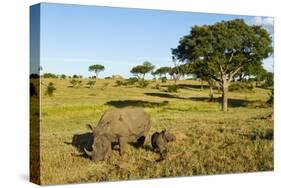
pixel 226 47
pixel 96 69
pixel 141 70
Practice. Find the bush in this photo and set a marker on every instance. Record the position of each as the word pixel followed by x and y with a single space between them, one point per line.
pixel 120 83
pixel 143 83
pixel 49 75
pixel 157 86
pixel 132 81
pixel 50 89
pixel 271 97
pixel 63 76
pixel 241 86
pixel 172 88
pixel 76 83
pixel 91 83
pixel 164 79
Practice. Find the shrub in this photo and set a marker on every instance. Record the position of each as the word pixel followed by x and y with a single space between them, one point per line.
pixel 50 89
pixel 120 83
pixel 76 83
pixel 157 86
pixel 132 81
pixel 172 88
pixel 91 83
pixel 143 83
pixel 241 86
pixel 164 79
pixel 49 75
pixel 271 97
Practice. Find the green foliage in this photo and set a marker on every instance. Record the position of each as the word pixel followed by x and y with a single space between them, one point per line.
pixel 241 86
pixel 96 69
pixel 268 80
pixel 76 83
pixel 132 80
pixel 49 75
pixel 224 49
pixel 120 83
pixel 172 88
pixel 162 71
pixel 50 89
pixel 164 79
pixel 91 83
pixel 63 76
pixel 141 70
pixel 143 83
pixel 157 86
pixel 271 97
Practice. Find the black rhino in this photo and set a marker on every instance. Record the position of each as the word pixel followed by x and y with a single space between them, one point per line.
pixel 121 126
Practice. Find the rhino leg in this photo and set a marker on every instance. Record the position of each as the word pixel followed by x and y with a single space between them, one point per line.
pixel 163 151
pixel 123 144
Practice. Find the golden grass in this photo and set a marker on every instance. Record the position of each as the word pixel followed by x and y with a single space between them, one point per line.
pixel 208 140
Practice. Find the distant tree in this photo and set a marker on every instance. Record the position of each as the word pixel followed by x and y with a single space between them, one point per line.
pixel 162 71
pixel 141 70
pixel 63 76
pixel 96 69
pixel 50 89
pixel 227 47
pixel 49 75
pixel 75 76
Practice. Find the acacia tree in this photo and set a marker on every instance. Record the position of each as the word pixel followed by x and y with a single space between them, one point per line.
pixel 226 47
pixel 162 71
pixel 141 70
pixel 96 69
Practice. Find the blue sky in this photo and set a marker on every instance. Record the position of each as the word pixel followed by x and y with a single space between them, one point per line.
pixel 75 36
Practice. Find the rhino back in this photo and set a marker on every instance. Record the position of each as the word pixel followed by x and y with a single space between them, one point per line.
pixel 130 122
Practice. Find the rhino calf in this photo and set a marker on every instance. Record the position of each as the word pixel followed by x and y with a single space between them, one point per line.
pixel 160 140
pixel 121 126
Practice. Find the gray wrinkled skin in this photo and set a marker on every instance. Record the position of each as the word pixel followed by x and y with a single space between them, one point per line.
pixel 160 140
pixel 121 126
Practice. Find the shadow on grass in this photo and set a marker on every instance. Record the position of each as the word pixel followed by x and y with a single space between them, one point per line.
pixel 135 103
pixel 164 95
pixel 190 86
pixel 231 102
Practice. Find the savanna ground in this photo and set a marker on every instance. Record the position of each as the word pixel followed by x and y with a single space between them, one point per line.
pixel 208 140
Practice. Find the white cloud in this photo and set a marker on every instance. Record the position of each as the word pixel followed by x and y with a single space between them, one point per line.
pixel 256 21
pixel 268 21
pixel 265 22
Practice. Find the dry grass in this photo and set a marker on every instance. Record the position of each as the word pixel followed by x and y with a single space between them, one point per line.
pixel 208 140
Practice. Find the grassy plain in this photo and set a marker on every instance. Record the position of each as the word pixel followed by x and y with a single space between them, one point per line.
pixel 208 140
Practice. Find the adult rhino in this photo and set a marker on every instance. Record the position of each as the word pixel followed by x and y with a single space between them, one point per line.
pixel 121 126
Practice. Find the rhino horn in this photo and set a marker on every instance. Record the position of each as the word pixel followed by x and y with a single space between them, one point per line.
pixel 88 152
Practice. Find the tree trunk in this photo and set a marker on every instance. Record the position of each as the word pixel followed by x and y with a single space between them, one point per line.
pixel 224 95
